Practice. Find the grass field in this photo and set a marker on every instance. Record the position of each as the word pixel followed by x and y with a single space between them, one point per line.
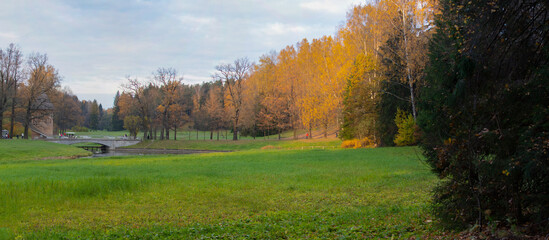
pixel 229 145
pixel 26 150
pixel 311 193
pixel 184 135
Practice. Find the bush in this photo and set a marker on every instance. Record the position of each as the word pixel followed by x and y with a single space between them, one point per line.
pixel 358 143
pixel 406 129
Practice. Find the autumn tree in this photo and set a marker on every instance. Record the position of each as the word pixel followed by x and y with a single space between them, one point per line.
pixel 170 85
pixel 214 108
pixel 289 83
pixel 233 75
pixel 412 22
pixel 138 101
pixel 132 124
pixel 200 117
pixel 66 109
pixel 43 78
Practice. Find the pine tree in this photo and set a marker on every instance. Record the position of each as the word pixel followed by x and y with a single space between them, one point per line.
pixel 94 115
pixel 117 123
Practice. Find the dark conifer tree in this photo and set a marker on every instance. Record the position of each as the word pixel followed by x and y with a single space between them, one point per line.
pixel 485 112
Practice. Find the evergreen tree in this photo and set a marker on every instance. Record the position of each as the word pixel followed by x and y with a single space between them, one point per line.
pixel 359 100
pixel 117 123
pixel 101 111
pixel 484 113
pixel 94 115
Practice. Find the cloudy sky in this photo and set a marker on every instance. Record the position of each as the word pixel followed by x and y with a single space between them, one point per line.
pixel 95 44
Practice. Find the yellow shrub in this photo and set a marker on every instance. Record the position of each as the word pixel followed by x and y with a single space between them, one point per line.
pixel 358 143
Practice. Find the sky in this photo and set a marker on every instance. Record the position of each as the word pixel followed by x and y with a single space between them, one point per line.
pixel 97 44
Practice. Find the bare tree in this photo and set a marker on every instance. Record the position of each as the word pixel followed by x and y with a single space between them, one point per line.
pixel 10 74
pixel 16 57
pixel 233 76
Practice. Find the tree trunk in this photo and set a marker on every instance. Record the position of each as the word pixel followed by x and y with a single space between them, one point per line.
pixel 12 117
pixel 27 121
pixel 1 122
pixel 175 133
pixel 406 58
pixel 279 137
pixel 217 134
pixel 162 133
pixel 235 130
pixel 211 134
pixel 326 129
pixel 167 133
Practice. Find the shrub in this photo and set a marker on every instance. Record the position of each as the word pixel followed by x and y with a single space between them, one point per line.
pixel 358 143
pixel 406 129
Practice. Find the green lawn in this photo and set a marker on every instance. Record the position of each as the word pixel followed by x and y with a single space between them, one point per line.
pixel 184 135
pixel 25 150
pixel 229 145
pixel 312 193
pixel 102 134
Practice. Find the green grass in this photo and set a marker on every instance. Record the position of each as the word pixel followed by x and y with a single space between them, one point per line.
pixel 229 145
pixel 102 134
pixel 314 193
pixel 25 150
pixel 184 135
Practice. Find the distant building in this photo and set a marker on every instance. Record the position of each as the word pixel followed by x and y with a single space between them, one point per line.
pixel 42 124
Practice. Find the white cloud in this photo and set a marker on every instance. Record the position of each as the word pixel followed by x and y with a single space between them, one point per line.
pixel 281 29
pixel 9 36
pixel 187 19
pixel 96 44
pixel 328 6
pixel 194 79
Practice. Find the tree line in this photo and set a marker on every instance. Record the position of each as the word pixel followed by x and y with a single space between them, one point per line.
pixel 24 85
pixel 30 91
pixel 467 80
pixel 351 84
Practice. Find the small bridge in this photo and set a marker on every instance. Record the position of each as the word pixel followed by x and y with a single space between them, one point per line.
pixel 110 143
